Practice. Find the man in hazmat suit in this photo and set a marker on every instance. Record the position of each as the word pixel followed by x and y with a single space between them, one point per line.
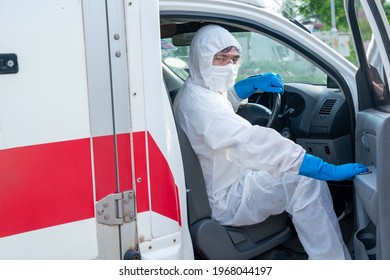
pixel 252 172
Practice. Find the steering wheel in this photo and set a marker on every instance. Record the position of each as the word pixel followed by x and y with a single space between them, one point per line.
pixel 258 114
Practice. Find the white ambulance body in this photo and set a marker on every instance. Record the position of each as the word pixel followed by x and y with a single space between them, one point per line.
pixel 90 161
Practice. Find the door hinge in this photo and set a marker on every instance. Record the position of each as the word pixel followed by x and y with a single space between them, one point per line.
pixel 116 209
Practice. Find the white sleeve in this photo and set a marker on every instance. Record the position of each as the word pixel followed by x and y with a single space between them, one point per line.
pixel 234 99
pixel 253 147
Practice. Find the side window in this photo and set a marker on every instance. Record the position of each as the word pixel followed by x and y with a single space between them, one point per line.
pixel 260 54
pixel 372 56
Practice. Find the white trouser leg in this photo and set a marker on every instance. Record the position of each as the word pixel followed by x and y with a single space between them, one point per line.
pixel 259 195
pixel 313 216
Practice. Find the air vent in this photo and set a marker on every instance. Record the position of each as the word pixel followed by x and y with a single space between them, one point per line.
pixel 327 106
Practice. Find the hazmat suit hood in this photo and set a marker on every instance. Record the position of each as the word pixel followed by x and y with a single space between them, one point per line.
pixel 206 43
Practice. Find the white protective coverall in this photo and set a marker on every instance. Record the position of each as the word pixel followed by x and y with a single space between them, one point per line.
pixel 250 171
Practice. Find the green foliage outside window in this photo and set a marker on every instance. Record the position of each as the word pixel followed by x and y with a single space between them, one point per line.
pixel 320 11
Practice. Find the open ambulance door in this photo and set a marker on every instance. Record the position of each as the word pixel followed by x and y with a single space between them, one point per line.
pixel 371 33
pixel 139 181
pixel 109 109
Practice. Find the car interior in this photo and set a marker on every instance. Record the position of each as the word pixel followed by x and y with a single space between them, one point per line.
pixel 314 112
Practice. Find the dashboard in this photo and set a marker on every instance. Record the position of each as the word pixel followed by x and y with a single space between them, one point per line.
pixel 315 117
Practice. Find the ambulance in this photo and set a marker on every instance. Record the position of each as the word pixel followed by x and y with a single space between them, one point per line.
pixel 92 165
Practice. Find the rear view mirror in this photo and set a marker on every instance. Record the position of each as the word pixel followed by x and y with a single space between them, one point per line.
pixel 183 40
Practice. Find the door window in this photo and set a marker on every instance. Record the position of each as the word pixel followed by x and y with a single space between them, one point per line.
pixel 260 54
pixel 371 58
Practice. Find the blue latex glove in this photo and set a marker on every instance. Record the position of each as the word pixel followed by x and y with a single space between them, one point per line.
pixel 316 168
pixel 269 82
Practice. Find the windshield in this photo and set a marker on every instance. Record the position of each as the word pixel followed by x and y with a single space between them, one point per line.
pixel 260 54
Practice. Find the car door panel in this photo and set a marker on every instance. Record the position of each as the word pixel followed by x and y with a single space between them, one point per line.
pixel 372 146
pixel 369 28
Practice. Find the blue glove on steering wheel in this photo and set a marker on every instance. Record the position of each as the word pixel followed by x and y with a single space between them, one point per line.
pixel 269 82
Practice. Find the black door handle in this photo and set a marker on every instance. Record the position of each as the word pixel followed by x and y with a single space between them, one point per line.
pixel 8 63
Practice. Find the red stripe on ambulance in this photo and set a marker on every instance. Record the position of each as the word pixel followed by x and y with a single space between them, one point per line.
pixel 164 192
pixel 124 161
pixel 51 184
pixel 162 184
pixel 104 163
pixel 45 185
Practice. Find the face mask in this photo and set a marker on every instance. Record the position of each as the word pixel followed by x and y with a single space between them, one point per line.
pixel 224 77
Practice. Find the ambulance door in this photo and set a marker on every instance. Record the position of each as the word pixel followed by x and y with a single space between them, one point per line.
pixel 46 184
pixel 140 190
pixel 110 127
pixel 371 32
pixel 161 211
